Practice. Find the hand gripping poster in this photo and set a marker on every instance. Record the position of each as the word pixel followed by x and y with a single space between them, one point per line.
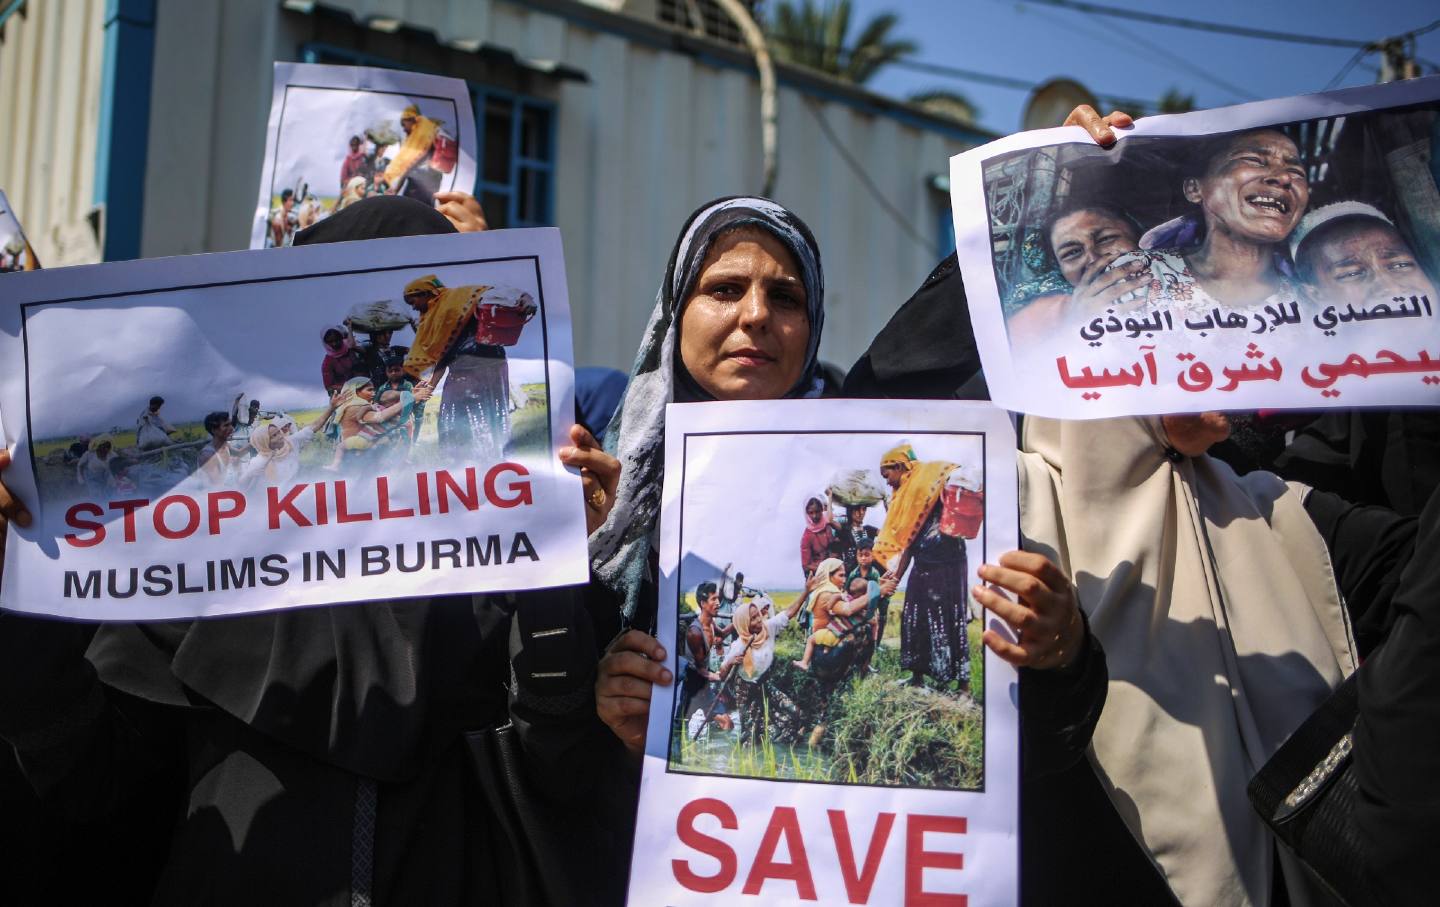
pixel 217 434
pixel 1281 254
pixel 15 251
pixel 338 134
pixel 836 732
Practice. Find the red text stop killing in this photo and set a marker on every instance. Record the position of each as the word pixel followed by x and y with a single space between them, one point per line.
pixel 180 516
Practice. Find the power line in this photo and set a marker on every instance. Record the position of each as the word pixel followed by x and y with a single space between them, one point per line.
pixel 1219 28
pixel 971 75
pixel 1166 55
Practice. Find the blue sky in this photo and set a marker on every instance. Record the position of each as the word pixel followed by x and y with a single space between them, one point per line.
pixel 1140 60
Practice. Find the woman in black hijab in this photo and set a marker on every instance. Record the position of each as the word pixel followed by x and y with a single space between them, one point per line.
pixel 331 755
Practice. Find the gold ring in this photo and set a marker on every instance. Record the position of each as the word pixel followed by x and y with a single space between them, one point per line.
pixel 597 498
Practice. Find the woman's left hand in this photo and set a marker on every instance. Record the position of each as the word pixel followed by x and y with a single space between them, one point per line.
pixel 1049 630
pixel 1101 129
pixel 599 475
pixel 462 210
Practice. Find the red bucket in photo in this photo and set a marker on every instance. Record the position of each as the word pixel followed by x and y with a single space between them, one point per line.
pixel 501 315
pixel 962 508
pixel 445 152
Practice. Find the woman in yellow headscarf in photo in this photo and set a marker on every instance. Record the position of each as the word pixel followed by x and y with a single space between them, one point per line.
pixel 412 155
pixel 933 640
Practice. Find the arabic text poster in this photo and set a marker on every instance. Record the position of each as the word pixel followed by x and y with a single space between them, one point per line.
pixel 1281 254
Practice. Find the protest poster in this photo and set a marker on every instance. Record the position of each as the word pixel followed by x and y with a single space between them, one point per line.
pixel 857 745
pixel 217 434
pixel 1280 254
pixel 340 133
pixel 15 251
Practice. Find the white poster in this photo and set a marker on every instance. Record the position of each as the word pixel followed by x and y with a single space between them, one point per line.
pixel 15 251
pixel 217 434
pixel 1281 254
pixel 856 744
pixel 340 133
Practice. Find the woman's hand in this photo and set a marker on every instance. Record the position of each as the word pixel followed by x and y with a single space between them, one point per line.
pixel 462 210
pixel 632 665
pixel 1049 630
pixel 599 475
pixel 1101 289
pixel 422 392
pixel 1101 129
pixel 10 506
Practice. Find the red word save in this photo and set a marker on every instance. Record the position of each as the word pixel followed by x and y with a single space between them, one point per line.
pixel 857 871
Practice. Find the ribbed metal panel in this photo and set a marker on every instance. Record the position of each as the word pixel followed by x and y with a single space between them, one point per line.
pixel 654 132
pixel 50 66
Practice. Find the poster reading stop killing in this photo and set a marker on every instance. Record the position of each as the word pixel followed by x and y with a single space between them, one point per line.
pixel 836 732
pixel 338 134
pixel 1281 254
pixel 217 434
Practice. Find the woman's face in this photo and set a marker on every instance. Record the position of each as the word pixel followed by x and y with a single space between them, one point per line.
pixel 745 329
pixel 837 576
pixel 812 510
pixel 1086 241
pixel 366 392
pixel 103 449
pixel 333 339
pixel 1254 189
pixel 757 622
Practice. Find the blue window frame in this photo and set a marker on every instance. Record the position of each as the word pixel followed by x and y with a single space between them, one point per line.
pixel 516 136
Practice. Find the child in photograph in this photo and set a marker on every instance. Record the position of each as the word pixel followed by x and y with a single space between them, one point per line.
pixel 817 537
pixel 866 569
pixel 396 381
pixel 213 465
pixel 363 420
pixel 833 610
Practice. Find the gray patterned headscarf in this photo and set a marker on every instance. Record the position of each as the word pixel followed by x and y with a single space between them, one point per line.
pixel 620 549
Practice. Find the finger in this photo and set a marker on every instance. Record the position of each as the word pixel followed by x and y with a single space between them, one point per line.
pixel 1013 613
pixel 1025 585
pixel 638 641
pixel 598 461
pixel 1120 119
pixel 623 707
pixel 1039 566
pixel 1086 117
pixel 580 436
pixel 635 665
pixel 12 509
pixel 621 686
pixel 1007 650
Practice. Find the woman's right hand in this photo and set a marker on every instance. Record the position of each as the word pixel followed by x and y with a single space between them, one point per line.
pixel 1102 289
pixel 1101 129
pixel 633 664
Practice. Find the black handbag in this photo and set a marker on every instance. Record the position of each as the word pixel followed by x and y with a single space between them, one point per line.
pixel 1307 793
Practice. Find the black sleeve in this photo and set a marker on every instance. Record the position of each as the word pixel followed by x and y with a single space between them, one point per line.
pixel 85 749
pixel 1369 547
pixel 1059 709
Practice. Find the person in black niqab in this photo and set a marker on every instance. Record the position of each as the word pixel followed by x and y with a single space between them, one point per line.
pixel 330 755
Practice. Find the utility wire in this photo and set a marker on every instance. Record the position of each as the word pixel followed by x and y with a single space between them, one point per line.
pixel 1165 55
pixel 1178 22
pixel 972 75
pixel 864 177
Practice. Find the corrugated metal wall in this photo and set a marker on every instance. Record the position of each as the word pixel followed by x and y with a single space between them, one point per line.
pixel 653 134
pixel 50 62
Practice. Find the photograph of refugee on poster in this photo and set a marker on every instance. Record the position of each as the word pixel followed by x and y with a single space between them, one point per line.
pixel 1287 253
pixel 334 144
pixel 825 630
pixel 15 251
pixel 245 386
